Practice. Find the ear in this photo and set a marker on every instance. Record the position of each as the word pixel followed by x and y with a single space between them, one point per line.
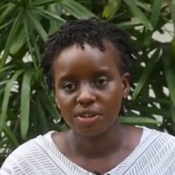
pixel 125 84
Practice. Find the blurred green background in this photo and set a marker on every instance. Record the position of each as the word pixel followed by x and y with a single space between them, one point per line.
pixel 26 107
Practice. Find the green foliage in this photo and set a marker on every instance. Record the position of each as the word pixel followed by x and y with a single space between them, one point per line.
pixel 26 108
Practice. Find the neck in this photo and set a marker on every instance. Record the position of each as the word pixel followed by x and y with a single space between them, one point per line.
pixel 100 146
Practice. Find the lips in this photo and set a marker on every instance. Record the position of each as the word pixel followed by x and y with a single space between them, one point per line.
pixel 87 113
pixel 87 117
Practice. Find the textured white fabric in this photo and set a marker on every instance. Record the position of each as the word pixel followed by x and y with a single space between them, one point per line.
pixel 155 155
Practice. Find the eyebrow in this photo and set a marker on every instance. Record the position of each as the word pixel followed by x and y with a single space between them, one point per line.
pixel 103 71
pixel 63 78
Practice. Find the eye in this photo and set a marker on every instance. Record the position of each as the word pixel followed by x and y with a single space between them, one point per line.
pixel 69 86
pixel 101 82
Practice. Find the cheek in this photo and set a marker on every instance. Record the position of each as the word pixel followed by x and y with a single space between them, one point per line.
pixel 112 97
pixel 65 105
pixel 64 101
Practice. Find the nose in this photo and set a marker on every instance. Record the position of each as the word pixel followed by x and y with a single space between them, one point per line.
pixel 86 96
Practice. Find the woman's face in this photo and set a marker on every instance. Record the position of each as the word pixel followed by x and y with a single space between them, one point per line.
pixel 89 88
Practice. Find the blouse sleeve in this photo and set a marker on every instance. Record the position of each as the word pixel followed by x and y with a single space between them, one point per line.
pixel 8 168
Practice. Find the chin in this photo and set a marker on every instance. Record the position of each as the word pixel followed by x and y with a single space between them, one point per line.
pixel 90 133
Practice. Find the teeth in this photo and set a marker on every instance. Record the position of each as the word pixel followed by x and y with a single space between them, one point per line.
pixel 87 115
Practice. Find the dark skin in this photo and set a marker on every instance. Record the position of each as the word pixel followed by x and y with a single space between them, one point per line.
pixel 88 79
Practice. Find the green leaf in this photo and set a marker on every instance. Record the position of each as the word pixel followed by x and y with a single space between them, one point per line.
pixel 41 31
pixel 11 136
pixel 11 37
pixel 6 98
pixel 3 82
pixel 155 13
pixel 48 104
pixel 129 24
pixel 6 12
pixel 6 24
pixel 3 6
pixel 42 116
pixel 37 3
pixel 38 77
pixel 18 42
pixel 169 71
pixel 111 8
pixel 54 25
pixel 173 48
pixel 152 100
pixel 146 73
pixel 76 9
pixel 36 50
pixel 18 3
pixel 156 9
pixel 137 120
pixel 152 111
pixel 138 14
pixel 173 113
pixel 28 39
pixel 143 5
pixel 25 104
pixel 50 15
pixel 6 68
pixel 172 10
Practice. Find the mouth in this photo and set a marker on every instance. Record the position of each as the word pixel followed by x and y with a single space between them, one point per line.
pixel 88 117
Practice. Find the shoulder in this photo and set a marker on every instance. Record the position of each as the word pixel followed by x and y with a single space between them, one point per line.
pixel 158 149
pixel 158 135
pixel 158 142
pixel 21 159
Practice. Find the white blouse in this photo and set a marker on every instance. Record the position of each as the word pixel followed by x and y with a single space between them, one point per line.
pixel 154 155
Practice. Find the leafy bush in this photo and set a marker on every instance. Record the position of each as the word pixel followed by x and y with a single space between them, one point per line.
pixel 26 108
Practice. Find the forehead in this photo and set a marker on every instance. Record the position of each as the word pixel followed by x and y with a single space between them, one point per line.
pixel 75 59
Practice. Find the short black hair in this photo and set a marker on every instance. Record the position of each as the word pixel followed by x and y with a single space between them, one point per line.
pixel 92 32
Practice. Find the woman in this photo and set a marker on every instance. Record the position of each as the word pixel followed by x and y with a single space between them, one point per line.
pixel 86 64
